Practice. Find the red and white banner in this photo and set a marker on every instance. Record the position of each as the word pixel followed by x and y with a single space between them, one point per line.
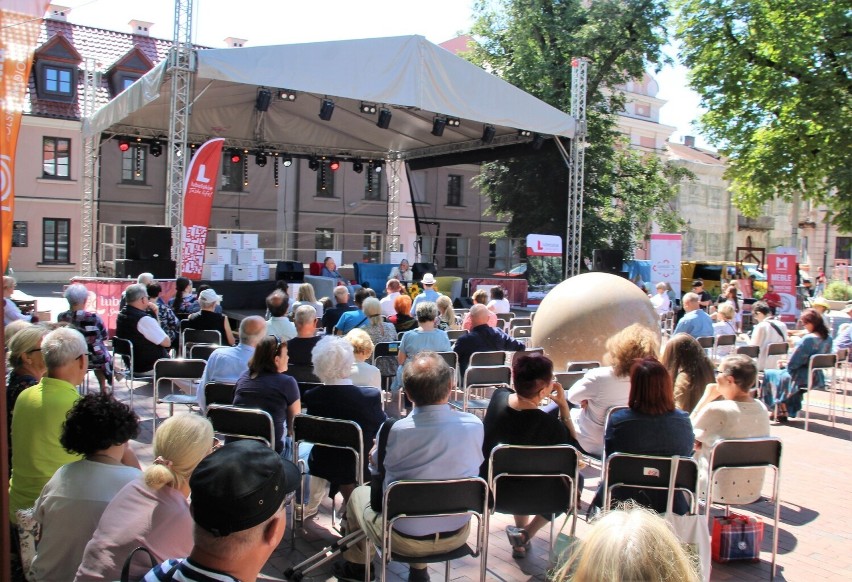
pixel 105 296
pixel 198 190
pixel 544 245
pixel 781 274
pixel 665 260
pixel 20 21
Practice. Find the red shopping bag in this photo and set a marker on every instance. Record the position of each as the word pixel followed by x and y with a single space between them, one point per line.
pixel 736 537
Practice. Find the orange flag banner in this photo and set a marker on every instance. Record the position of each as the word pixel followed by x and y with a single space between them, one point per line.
pixel 199 187
pixel 20 21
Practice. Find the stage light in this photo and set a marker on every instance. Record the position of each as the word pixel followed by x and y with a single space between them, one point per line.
pixel 334 165
pixel 524 133
pixel 287 161
pixel 264 98
pixel 384 118
pixel 488 133
pixel 236 158
pixel 369 108
pixel 453 121
pixel 123 144
pixel 357 166
pixel 438 125
pixel 326 109
pixel 538 141
pixel 260 159
pixel 376 166
pixel 313 163
pixel 287 95
pixel 156 148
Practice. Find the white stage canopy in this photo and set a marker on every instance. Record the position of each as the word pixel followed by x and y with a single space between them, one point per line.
pixel 413 78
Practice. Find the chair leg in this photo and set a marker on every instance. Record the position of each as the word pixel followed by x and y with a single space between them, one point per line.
pixel 447 571
pixel 807 407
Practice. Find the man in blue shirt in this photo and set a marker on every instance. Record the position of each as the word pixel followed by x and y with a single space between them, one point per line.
pixel 844 337
pixel 355 318
pixel 429 293
pixel 228 364
pixel 433 442
pixel 696 322
pixel 331 316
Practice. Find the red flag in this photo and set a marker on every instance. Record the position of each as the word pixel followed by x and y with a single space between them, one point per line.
pixel 198 191
pixel 20 21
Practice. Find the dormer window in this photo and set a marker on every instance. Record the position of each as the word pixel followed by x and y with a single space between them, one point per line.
pixel 58 80
pixel 124 72
pixel 56 65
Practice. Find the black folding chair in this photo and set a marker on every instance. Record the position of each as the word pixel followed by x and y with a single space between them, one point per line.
pixel 455 334
pixel 495 358
pixel 219 393
pixel 190 336
pixel 818 362
pixel 122 351
pixel 582 366
pixel 173 370
pixel 239 422
pixel 649 472
pixel 202 351
pixel 478 380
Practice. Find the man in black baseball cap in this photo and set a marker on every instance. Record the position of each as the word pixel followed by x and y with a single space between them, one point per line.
pixel 238 495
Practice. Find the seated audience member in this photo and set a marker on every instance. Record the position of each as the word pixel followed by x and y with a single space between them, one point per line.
pixel 402 273
pixel 736 415
pixel 447 318
pixel 377 328
pixel 167 318
pixel 498 303
pixel 690 369
pixel 650 426
pixel 602 388
pixel 143 279
pixel 90 324
pixel 299 348
pixel 661 302
pixel 26 367
pixel 733 298
pixel 787 385
pixel 339 398
pixel 306 296
pixel 71 504
pixel 433 442
pixel 401 320
pixel 278 323
pixel 332 316
pixel 772 299
pixel 265 385
pixel 630 543
pixel 151 511
pixel 239 514
pixel 704 298
pixel 428 294
pixel 14 327
pixel 11 311
pixel 354 318
pixel 184 302
pixel 725 325
pixel 822 307
pixel 480 297
pixel 134 323
pixel 228 364
pixel 514 418
pixel 696 322
pixel 391 293
pixel 844 332
pixel 39 413
pixel 483 338
pixel 425 338
pixel 362 373
pixel 209 319
pixel 767 331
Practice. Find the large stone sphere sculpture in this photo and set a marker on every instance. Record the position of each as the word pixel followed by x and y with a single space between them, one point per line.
pixel 576 317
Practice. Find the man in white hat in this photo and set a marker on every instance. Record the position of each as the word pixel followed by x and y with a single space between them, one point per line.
pixel 823 307
pixel 429 293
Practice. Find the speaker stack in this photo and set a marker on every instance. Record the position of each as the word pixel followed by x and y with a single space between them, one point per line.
pixel 290 271
pixel 418 270
pixel 148 249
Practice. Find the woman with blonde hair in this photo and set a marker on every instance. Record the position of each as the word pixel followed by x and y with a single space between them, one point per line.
pixel 152 511
pixel 689 368
pixel 363 374
pixel 25 364
pixel 602 388
pixel 377 328
pixel 630 543
pixel 306 296
pixel 447 318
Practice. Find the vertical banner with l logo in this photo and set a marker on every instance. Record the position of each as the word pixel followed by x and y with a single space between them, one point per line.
pixel 20 21
pixel 781 274
pixel 198 190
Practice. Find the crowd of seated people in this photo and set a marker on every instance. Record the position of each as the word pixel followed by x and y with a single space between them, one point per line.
pixel 673 404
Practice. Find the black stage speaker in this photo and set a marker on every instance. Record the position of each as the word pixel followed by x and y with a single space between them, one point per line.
pixel 420 269
pixel 463 303
pixel 607 260
pixel 129 268
pixel 148 242
pixel 290 271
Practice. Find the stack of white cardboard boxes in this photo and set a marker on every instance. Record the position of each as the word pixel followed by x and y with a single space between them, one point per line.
pixel 235 258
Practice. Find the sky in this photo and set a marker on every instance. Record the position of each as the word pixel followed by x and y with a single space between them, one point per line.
pixel 265 22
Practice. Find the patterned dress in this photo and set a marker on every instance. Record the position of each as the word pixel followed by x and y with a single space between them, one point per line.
pixel 168 320
pixel 188 304
pixel 93 329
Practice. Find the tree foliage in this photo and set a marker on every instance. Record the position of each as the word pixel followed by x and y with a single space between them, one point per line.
pixel 530 43
pixel 774 76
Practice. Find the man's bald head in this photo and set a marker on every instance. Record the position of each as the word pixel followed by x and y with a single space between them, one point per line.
pixel 479 314
pixel 252 330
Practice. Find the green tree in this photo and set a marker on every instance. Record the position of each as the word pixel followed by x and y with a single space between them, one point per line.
pixel 530 44
pixel 774 76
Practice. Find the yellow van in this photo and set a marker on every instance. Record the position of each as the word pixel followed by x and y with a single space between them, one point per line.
pixel 712 272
